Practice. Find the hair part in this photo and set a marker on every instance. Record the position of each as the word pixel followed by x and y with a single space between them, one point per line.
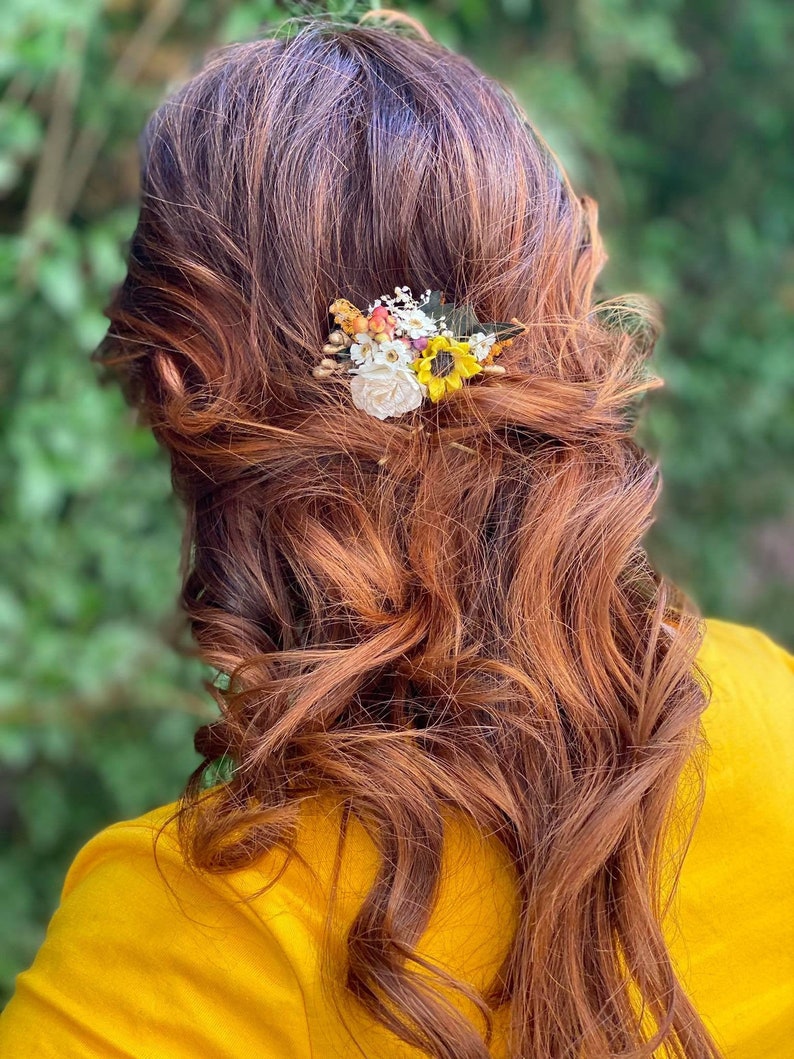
pixel 450 610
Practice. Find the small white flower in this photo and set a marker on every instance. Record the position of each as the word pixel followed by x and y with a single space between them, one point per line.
pixel 383 390
pixel 480 344
pixel 391 354
pixel 403 295
pixel 362 348
pixel 416 324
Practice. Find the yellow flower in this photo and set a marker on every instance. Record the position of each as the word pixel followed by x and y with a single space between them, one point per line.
pixel 443 365
pixel 346 315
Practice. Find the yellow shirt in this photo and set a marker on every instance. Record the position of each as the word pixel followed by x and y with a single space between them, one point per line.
pixel 144 959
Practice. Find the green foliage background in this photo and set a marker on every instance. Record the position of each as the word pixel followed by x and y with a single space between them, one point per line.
pixel 676 117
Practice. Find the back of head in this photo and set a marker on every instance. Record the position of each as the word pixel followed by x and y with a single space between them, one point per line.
pixel 448 608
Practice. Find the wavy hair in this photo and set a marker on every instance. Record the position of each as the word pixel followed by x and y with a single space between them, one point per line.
pixel 449 609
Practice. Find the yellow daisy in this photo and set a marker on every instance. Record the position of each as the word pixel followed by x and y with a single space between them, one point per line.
pixel 443 365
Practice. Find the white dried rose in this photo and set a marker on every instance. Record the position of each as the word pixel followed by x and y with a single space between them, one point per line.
pixel 384 390
pixel 480 344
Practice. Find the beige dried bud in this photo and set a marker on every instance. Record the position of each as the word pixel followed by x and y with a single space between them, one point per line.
pixel 339 339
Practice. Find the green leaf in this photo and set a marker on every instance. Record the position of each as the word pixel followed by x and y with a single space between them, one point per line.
pixel 461 320
pixel 503 331
pixel 432 307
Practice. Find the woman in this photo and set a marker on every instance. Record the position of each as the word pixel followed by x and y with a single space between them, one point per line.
pixel 466 718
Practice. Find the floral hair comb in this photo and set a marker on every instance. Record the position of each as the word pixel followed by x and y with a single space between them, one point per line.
pixel 404 349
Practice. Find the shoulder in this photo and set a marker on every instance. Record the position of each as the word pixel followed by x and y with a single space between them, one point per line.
pixel 744 656
pixel 146 956
pixel 733 939
pixel 749 722
pixel 748 728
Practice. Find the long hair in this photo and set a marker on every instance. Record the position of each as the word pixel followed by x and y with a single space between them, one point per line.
pixel 450 609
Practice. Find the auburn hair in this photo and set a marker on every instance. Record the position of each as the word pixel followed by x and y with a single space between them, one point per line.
pixel 449 609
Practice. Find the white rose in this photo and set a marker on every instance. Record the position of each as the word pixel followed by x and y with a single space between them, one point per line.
pixel 384 390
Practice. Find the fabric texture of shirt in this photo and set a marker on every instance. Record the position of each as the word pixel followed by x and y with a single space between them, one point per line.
pixel 147 959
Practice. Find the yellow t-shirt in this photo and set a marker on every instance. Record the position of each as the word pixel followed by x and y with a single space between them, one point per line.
pixel 145 959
